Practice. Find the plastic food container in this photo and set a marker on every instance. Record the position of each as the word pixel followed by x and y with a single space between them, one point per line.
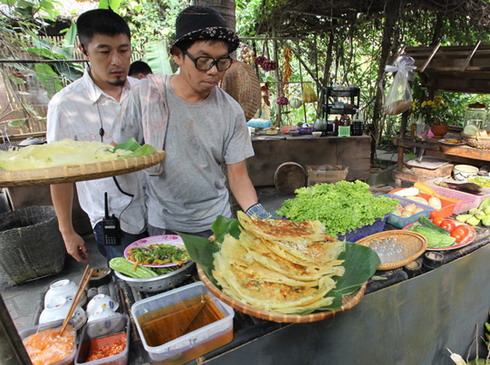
pixel 194 343
pixel 447 206
pixel 401 222
pixel 106 331
pixel 367 230
pixel 41 327
pixel 468 201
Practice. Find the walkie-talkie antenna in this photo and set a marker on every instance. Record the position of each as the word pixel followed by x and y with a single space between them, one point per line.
pixel 106 205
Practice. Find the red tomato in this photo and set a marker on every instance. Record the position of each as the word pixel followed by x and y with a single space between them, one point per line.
pixel 448 225
pixel 437 221
pixel 460 233
pixel 457 236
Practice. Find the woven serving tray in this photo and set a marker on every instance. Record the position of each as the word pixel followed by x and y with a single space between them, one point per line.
pixel 348 302
pixel 409 246
pixel 72 173
pixel 477 142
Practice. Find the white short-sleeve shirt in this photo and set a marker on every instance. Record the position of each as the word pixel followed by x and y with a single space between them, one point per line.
pixel 78 112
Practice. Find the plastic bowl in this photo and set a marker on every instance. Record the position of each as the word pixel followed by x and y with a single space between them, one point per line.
pixel 463 172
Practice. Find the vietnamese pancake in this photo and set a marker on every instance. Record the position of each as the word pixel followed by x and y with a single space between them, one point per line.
pixel 260 252
pixel 59 153
pixel 272 266
pixel 290 238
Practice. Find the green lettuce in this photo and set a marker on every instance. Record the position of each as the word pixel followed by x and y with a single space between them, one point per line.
pixel 342 207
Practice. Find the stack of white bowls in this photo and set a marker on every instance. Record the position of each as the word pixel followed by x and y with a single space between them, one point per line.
pixel 57 302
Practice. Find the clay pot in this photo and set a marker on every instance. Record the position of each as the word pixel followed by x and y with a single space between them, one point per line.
pixel 439 130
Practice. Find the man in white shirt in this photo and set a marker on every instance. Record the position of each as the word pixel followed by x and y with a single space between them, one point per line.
pixel 86 110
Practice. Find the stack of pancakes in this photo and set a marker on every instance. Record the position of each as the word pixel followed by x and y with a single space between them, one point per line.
pixel 279 265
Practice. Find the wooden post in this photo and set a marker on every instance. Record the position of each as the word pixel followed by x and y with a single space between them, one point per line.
pixel 279 81
pixel 389 23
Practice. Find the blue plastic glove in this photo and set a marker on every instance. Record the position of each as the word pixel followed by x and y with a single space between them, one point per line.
pixel 259 211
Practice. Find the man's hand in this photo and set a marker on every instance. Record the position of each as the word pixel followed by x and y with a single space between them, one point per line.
pixel 259 211
pixel 75 246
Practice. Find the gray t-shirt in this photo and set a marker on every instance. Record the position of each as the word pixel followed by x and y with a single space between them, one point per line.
pixel 190 192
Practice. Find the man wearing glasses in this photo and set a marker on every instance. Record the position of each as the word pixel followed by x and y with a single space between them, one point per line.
pixel 200 127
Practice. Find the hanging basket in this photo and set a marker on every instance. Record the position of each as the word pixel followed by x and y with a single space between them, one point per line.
pixel 241 82
pixel 31 246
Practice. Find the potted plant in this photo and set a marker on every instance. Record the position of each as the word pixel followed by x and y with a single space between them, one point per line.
pixel 435 113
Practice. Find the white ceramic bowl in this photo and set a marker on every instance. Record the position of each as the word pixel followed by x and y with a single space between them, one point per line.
pixel 101 301
pixel 57 309
pixel 316 134
pixel 64 288
pixel 463 172
pixel 101 313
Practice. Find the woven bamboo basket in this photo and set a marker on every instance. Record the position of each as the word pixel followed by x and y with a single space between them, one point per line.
pixel 241 82
pixel 406 247
pixel 477 142
pixel 348 302
pixel 72 173
pixel 31 246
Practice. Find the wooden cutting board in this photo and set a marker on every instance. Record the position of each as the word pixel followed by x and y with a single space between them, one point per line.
pixel 428 162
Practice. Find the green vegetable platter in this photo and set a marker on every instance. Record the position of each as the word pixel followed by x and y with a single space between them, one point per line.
pixel 360 263
pixel 441 241
pixel 157 251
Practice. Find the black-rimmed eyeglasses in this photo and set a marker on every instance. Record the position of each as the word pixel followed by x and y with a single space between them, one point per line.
pixel 206 63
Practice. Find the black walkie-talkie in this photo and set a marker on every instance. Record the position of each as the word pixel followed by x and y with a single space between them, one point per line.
pixel 110 226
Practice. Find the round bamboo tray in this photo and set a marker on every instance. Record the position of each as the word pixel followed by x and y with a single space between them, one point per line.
pixel 348 302
pixel 412 245
pixel 72 173
pixel 477 142
pixel 241 82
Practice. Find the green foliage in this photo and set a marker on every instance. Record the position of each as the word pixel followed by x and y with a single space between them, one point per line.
pixel 151 21
pixel 357 50
pixel 110 4
pixel 158 58
pixel 342 207
pixel 48 78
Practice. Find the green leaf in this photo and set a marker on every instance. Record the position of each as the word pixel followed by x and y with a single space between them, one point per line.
pixel 130 145
pixel 158 58
pixel 223 225
pixel 112 4
pixel 201 251
pixel 138 150
pixel 48 78
pixel 144 150
pixel 71 35
pixel 361 262
pixel 16 123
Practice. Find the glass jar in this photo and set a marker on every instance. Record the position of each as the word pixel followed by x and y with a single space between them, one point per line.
pixel 477 115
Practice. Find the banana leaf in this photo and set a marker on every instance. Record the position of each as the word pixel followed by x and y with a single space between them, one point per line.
pixel 137 150
pixel 360 262
pixel 157 56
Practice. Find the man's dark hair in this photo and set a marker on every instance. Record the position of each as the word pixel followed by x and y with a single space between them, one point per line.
pixel 100 21
pixel 138 67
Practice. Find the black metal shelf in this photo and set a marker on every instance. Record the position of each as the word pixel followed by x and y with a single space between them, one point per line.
pixel 331 94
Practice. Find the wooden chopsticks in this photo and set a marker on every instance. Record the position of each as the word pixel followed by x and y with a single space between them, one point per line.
pixel 78 295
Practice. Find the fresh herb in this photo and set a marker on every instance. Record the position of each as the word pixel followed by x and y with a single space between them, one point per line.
pixel 158 254
pixel 342 207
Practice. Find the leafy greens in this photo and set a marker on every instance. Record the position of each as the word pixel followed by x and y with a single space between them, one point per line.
pixel 342 207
